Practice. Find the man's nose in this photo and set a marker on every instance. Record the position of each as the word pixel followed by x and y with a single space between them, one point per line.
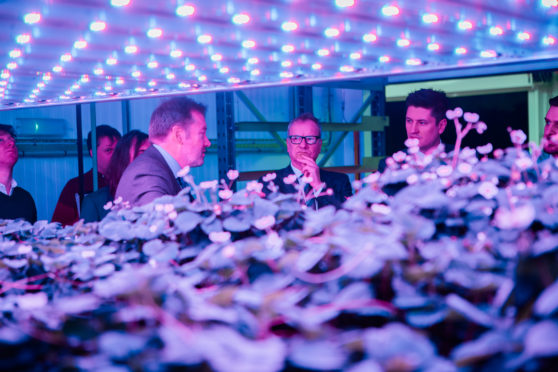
pixel 414 128
pixel 207 142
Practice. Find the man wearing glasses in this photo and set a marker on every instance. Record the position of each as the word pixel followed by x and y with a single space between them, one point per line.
pixel 304 145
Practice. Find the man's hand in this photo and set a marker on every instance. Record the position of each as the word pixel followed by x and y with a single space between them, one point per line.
pixel 310 169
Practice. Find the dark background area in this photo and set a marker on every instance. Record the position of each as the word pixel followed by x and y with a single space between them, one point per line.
pixel 498 111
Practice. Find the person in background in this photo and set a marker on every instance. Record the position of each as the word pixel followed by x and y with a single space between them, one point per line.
pixel 178 132
pixel 550 137
pixel 15 202
pixel 129 147
pixel 67 208
pixel 425 120
pixel 304 145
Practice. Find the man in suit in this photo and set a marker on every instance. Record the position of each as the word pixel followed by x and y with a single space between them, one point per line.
pixel 15 202
pixel 425 119
pixel 550 138
pixel 177 130
pixel 304 145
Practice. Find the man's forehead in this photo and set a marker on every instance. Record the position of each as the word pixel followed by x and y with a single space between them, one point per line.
pixel 303 124
pixel 417 110
pixel 3 133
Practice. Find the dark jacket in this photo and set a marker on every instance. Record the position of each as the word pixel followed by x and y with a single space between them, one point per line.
pixel 338 182
pixel 18 205
pixel 147 178
pixel 92 206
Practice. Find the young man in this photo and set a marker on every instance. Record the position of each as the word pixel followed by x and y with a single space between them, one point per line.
pixel 304 145
pixel 66 211
pixel 550 138
pixel 178 132
pixel 15 202
pixel 425 119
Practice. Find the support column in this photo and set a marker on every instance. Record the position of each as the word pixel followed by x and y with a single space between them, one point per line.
pixel 79 143
pixel 93 115
pixel 378 108
pixel 225 134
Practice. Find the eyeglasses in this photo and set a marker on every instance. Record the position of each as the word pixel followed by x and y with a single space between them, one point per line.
pixel 297 140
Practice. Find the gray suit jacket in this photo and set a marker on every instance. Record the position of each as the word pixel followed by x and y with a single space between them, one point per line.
pixel 147 178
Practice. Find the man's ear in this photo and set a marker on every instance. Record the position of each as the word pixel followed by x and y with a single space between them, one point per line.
pixel 442 125
pixel 178 134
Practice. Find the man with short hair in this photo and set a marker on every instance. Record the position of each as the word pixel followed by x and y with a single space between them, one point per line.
pixel 425 119
pixel 67 208
pixel 178 132
pixel 15 202
pixel 304 144
pixel 550 137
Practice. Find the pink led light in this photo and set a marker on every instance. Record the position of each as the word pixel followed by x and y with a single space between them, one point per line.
pixel 331 32
pixel 131 49
pixel 224 70
pixel 317 66
pixel 97 26
pixel 185 10
pixel 384 59
pixel 355 55
pixel 369 38
pixel 344 3
pixel 403 43
pixel 80 44
pixel 3 83
pixel 289 26
pixel 549 3
pixel 286 74
pixel 390 10
pixel 217 57
pixel 413 62
pixel 152 83
pixel 233 80
pixel 433 47
pixel 496 31
pixel 84 79
pixel 66 57
pixel 171 76
pixel 460 50
pixel 41 85
pixel 204 39
pixel 289 48
pixel 465 25
pixel 241 19
pixel 68 92
pixel 286 63
pixel 202 78
pixel 176 53
pixel 57 68
pixel 119 81
pixel 255 72
pixel 75 87
pixel 153 64
pixel 31 18
pixel 23 38
pixel 154 32
pixel 253 60
pixel 190 67
pixel 136 74
pixel 524 36
pixel 15 53
pixel 323 52
pixel 98 71
pixel 489 53
pixel 35 91
pixel 248 44
pixel 549 40
pixel 111 61
pixel 11 66
pixel 119 3
pixel 430 18
pixel 140 89
pixel 346 68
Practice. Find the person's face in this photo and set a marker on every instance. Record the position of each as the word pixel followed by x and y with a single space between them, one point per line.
pixel 551 131
pixel 303 128
pixel 420 124
pixel 8 150
pixel 145 144
pixel 105 148
pixel 193 141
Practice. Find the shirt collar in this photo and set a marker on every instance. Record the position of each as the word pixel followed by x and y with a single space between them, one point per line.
pixel 171 162
pixel 296 171
pixel 3 188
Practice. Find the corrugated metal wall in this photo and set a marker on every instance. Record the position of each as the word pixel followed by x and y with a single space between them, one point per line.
pixel 44 177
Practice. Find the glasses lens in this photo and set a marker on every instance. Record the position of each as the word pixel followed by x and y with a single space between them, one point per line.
pixel 311 140
pixel 295 139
